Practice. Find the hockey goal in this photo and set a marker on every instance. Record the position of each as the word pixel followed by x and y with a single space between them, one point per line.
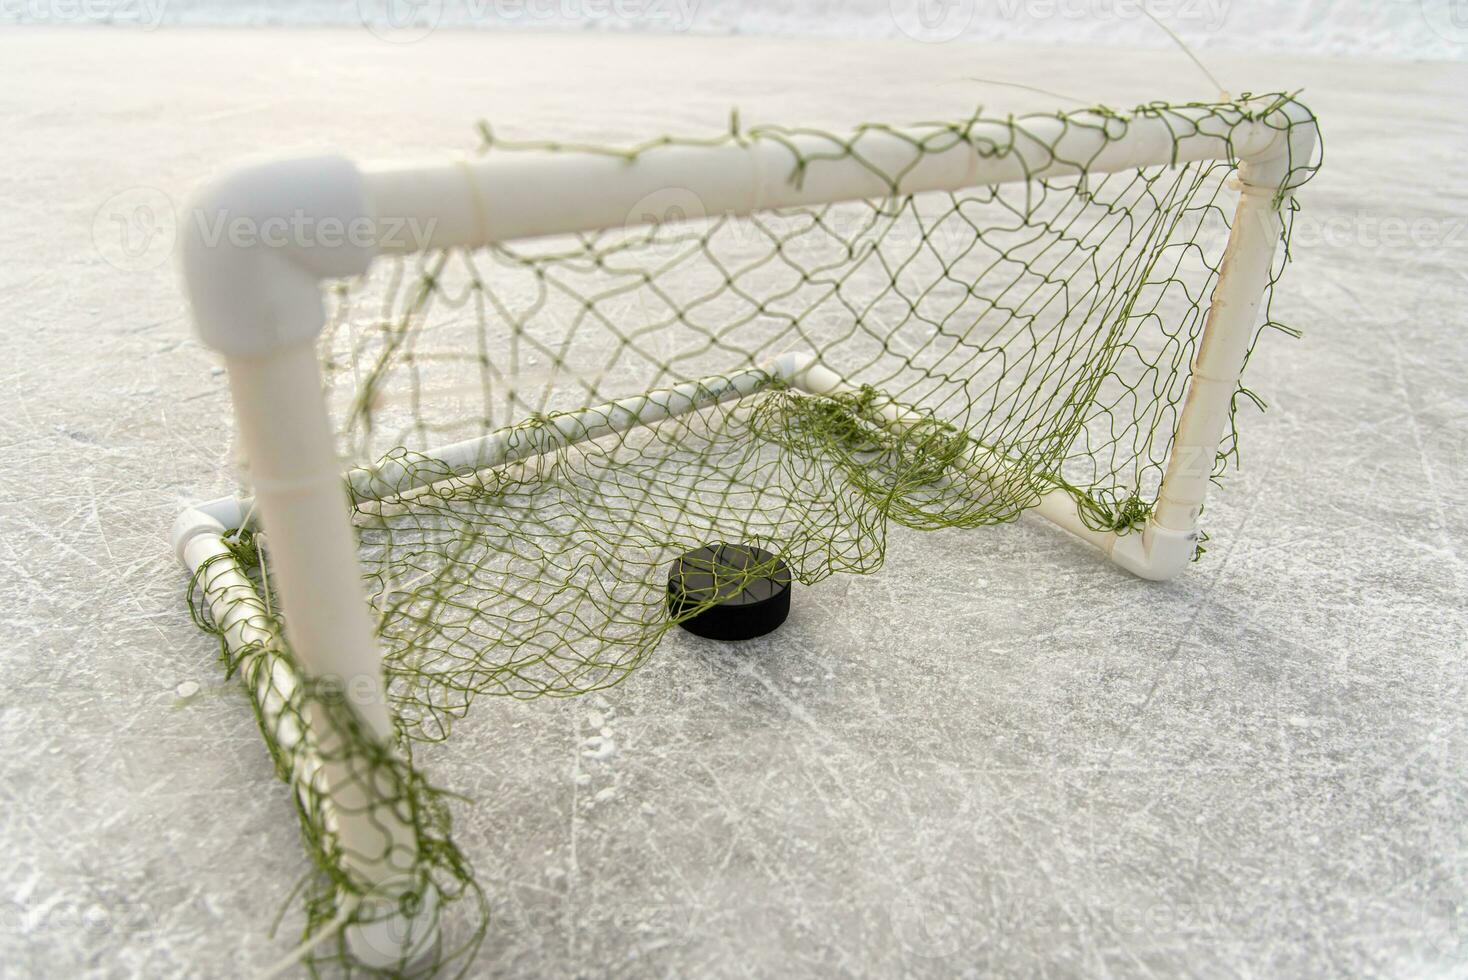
pixel 484 403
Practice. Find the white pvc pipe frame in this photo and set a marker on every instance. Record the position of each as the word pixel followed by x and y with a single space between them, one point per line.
pixel 258 301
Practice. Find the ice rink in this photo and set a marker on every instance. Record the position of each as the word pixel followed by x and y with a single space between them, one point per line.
pixel 998 756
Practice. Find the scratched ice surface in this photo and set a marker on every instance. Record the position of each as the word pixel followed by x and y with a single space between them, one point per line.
pixel 996 756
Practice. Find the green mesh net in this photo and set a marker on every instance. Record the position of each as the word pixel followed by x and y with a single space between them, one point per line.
pixel 993 345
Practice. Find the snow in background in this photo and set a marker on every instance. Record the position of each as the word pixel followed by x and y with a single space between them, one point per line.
pixel 1377 29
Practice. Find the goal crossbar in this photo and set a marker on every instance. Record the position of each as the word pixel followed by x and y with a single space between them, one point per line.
pixel 507 197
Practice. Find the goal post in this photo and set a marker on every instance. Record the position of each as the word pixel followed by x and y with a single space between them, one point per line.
pixel 260 245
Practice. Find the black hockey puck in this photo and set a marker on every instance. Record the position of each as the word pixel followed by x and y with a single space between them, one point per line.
pixel 748 586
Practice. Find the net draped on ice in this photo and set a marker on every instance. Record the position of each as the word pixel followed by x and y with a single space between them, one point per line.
pixel 1030 336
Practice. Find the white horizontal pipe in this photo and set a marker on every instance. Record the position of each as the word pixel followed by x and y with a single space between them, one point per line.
pixel 524 194
pixel 800 371
pixel 504 446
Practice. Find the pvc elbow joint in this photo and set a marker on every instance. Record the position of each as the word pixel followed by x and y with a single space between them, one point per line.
pixel 1285 162
pixel 1157 554
pixel 213 518
pixel 257 243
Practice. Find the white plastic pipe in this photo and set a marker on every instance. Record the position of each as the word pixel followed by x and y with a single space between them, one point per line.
pixel 524 194
pixel 293 468
pixel 241 616
pixel 243 620
pixel 800 371
pixel 1233 316
pixel 559 431
pixel 303 507
pixel 504 446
